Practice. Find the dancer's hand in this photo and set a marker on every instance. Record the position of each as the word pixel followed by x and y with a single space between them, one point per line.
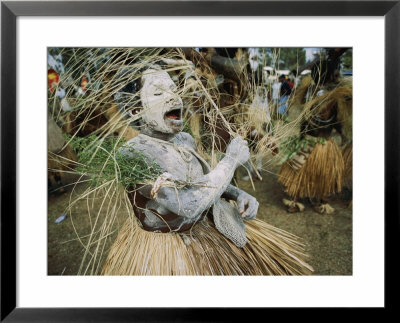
pixel 238 150
pixel 248 205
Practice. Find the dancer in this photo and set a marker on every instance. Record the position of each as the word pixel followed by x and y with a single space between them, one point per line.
pixel 315 166
pixel 184 223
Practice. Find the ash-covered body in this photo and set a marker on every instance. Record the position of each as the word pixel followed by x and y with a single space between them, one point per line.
pixel 188 187
pixel 175 204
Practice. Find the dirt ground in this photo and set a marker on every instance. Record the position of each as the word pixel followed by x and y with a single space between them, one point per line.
pixel 327 238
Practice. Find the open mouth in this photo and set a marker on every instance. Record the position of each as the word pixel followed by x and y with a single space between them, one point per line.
pixel 173 114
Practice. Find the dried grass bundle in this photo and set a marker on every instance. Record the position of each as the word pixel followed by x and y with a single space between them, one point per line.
pixel 301 91
pixel 348 165
pixel 209 109
pixel 321 175
pixel 344 98
pixel 204 251
pixel 340 97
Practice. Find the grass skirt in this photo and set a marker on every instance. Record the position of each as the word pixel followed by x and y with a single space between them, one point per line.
pixel 320 176
pixel 348 165
pixel 204 251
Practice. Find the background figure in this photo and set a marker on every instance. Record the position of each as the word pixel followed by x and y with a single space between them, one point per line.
pixel 276 88
pixel 289 81
pixel 314 167
pixel 285 91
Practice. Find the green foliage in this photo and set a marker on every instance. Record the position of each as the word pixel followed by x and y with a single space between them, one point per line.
pixel 292 145
pixel 292 58
pixel 283 58
pixel 104 162
pixel 347 60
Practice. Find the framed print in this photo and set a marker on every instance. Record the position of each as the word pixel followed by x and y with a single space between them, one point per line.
pixel 63 54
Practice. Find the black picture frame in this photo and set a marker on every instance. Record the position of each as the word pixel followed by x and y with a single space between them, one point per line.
pixel 10 10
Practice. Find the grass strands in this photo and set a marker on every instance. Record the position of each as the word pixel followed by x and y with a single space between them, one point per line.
pixel 97 128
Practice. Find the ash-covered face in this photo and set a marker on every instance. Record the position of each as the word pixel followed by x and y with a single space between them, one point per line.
pixel 162 106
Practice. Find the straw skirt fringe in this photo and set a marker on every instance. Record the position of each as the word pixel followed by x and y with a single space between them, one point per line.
pixel 348 165
pixel 204 251
pixel 321 175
